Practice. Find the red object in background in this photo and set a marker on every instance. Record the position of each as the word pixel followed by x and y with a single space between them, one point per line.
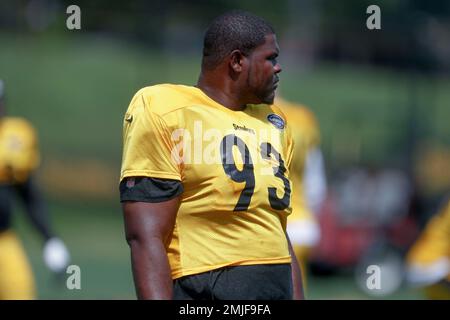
pixel 341 245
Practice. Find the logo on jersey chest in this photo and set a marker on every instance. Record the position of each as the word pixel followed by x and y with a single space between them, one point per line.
pixel 199 145
pixel 244 128
pixel 276 120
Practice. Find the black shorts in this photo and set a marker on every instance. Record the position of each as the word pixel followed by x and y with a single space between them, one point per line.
pixel 255 282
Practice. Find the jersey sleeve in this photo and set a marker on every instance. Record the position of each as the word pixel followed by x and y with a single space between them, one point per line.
pixel 311 128
pixel 290 146
pixel 288 138
pixel 148 150
pixel 434 242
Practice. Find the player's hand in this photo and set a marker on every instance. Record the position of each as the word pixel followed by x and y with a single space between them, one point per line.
pixel 56 255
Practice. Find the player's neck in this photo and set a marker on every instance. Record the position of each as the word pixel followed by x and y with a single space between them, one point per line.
pixel 220 91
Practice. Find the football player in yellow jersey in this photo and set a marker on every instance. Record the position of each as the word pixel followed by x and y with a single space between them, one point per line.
pixel 205 175
pixel 308 180
pixel 428 260
pixel 19 157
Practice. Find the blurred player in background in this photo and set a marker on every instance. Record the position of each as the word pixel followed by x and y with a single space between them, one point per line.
pixel 428 260
pixel 19 157
pixel 308 180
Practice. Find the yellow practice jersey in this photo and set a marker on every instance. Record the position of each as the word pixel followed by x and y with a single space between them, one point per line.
pixel 19 154
pixel 234 167
pixel 305 133
pixel 433 244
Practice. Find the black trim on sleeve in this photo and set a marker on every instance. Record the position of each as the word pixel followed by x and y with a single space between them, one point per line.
pixel 145 189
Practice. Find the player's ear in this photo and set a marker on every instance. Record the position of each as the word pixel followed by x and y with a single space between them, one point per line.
pixel 236 61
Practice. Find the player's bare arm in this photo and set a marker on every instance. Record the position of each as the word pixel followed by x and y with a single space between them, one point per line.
pixel 148 229
pixel 297 284
pixel 35 207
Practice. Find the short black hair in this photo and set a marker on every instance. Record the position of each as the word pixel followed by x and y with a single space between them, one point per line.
pixel 234 30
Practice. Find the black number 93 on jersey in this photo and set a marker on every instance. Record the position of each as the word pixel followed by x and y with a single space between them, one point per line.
pixel 247 175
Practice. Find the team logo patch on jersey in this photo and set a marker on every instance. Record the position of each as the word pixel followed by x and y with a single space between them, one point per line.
pixel 276 120
pixel 130 183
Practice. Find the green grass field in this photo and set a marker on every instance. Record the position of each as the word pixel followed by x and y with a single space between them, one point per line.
pixel 76 89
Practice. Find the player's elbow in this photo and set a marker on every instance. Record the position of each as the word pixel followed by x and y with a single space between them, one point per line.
pixel 132 238
pixel 135 238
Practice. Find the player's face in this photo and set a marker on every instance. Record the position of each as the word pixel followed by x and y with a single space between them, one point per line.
pixel 263 71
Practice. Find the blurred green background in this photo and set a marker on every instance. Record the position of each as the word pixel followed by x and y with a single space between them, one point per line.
pixel 374 108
